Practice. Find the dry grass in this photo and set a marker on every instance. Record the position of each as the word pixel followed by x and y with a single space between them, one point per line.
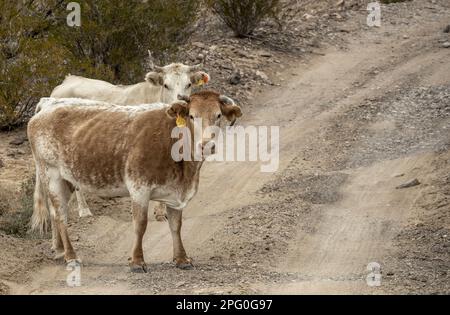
pixel 17 221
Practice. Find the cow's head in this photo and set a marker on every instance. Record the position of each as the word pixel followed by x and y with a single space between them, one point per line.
pixel 176 79
pixel 207 108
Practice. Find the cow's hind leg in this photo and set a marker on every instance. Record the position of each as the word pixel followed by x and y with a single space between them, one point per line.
pixel 140 217
pixel 83 208
pixel 59 192
pixel 179 254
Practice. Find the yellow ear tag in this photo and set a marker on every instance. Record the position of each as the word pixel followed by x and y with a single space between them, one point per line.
pixel 200 82
pixel 181 122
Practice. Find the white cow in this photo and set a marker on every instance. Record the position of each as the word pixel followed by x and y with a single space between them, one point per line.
pixel 163 84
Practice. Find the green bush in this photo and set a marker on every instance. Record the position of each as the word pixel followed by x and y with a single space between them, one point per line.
pixel 38 48
pixel 115 35
pixel 243 16
pixel 31 64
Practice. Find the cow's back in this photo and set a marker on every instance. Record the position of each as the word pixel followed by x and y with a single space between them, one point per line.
pixel 91 89
pixel 95 143
pixel 81 130
pixel 80 87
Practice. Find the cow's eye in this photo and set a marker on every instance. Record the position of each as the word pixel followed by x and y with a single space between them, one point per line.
pixel 219 116
pixel 188 86
pixel 166 86
pixel 191 117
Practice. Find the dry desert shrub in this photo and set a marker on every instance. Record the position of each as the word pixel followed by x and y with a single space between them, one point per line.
pixel 244 16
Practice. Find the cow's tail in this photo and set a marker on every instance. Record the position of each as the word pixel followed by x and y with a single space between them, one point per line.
pixel 41 214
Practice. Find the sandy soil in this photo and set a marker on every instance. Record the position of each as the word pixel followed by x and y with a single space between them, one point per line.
pixel 355 124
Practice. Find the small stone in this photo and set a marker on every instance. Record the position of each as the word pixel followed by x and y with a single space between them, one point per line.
pixel 235 78
pixel 265 54
pixel 307 16
pixel 447 29
pixel 226 67
pixel 199 45
pixel 446 45
pixel 18 141
pixel 2 164
pixel 262 75
pixel 411 183
pixel 337 16
pixel 340 3
pixel 405 36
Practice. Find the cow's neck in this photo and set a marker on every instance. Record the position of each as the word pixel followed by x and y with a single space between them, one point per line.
pixel 144 93
pixel 159 92
pixel 153 93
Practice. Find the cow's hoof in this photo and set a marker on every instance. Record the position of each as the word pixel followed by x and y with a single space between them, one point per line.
pixel 138 268
pixel 160 217
pixel 85 212
pixel 184 263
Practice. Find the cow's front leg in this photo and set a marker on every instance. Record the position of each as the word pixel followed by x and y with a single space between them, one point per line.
pixel 57 243
pixel 179 254
pixel 140 217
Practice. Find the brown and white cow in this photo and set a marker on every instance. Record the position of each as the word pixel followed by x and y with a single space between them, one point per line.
pixel 162 84
pixel 118 151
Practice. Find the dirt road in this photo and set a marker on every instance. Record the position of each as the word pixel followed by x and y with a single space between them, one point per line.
pixel 332 207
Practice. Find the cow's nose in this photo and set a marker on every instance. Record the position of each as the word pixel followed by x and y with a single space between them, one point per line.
pixel 183 97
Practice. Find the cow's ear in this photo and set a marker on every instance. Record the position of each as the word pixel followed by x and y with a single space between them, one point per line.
pixel 200 78
pixel 178 109
pixel 229 109
pixel 154 78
